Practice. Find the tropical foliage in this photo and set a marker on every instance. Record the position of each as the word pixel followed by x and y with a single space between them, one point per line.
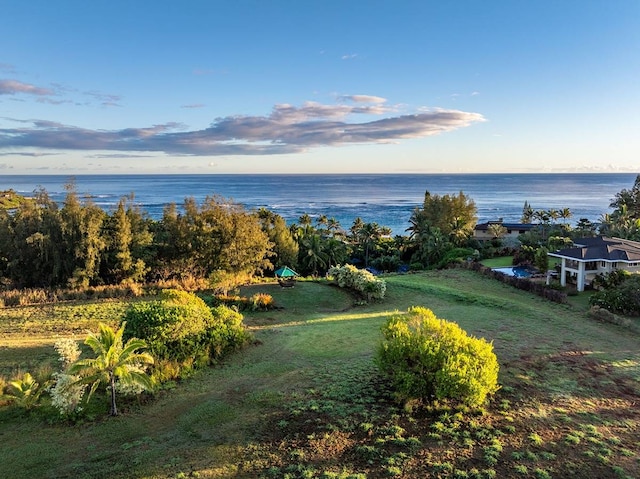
pixel 442 223
pixel 620 293
pixel 24 392
pixel 115 364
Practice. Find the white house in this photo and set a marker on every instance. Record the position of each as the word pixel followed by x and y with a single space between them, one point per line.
pixel 600 255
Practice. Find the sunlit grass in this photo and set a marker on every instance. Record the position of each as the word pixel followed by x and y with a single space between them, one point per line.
pixel 307 397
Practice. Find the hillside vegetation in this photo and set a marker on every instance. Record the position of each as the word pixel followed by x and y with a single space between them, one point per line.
pixel 307 400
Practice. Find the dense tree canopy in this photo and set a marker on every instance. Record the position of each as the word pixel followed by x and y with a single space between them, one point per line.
pixel 78 244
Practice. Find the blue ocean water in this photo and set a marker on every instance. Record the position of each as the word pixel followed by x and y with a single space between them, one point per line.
pixel 385 199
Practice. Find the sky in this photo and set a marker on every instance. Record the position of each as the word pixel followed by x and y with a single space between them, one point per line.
pixel 331 86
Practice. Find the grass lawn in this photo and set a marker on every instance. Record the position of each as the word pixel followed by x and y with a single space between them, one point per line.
pixel 500 262
pixel 307 401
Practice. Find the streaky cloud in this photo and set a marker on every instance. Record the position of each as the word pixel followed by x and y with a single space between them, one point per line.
pixel 32 154
pixel 363 98
pixel 287 129
pixel 14 87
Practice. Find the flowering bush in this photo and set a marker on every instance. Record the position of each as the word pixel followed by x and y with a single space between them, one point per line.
pixel 67 392
pixel 68 351
pixel 360 280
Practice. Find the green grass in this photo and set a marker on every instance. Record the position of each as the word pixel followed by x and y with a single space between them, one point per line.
pixel 501 262
pixel 307 400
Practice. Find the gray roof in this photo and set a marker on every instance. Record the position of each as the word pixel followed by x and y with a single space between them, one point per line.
pixel 509 226
pixel 602 248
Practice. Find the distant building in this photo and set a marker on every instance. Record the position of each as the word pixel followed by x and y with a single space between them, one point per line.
pixel 482 232
pixel 589 257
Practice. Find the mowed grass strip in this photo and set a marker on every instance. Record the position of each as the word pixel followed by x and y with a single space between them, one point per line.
pixel 307 399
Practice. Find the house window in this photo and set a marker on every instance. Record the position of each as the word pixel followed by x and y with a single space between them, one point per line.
pixel 603 264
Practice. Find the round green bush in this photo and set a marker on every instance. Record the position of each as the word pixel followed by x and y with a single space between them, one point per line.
pixel 433 359
pixel 180 326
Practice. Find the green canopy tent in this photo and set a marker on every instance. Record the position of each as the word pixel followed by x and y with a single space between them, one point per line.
pixel 285 272
pixel 286 276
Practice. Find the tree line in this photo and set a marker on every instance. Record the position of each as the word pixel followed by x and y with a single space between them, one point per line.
pixel 76 244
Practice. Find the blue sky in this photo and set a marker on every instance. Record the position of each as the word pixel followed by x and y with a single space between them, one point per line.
pixel 319 86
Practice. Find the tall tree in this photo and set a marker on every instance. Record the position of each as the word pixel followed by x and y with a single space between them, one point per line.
pixel 285 246
pixel 585 228
pixel 367 237
pixel 82 238
pixel 446 211
pixel 33 248
pixel 122 261
pixel 334 227
pixel 440 220
pixel 629 199
pixel 527 213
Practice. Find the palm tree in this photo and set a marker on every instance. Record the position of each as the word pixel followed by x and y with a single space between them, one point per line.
pixel 312 253
pixel 336 252
pixel 565 214
pixel 541 215
pixel 322 221
pixel 459 231
pixel 368 235
pixel 113 361
pixel 334 227
pixel 305 220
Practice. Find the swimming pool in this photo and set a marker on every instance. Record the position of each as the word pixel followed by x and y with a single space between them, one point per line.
pixel 519 271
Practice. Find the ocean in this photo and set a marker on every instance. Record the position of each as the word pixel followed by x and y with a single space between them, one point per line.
pixel 387 199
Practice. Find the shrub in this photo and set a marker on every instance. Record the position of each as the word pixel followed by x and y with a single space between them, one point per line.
pixel 261 302
pixel 359 280
pixel 456 255
pixel 24 392
pixel 233 301
pixel 434 359
pixel 180 327
pixel 622 294
pixel 67 392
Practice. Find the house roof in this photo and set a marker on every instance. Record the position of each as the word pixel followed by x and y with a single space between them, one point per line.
pixel 509 226
pixel 601 248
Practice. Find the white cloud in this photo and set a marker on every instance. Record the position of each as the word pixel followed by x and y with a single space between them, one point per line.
pixel 288 129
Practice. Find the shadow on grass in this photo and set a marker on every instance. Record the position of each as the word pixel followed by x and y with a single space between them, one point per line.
pixel 22 358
